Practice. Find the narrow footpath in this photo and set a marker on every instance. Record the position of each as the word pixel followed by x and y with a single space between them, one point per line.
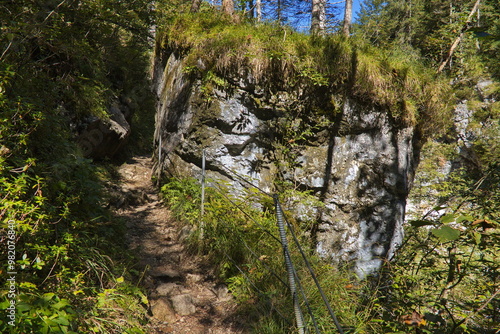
pixel 183 294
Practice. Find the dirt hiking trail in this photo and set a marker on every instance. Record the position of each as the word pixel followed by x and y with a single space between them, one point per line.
pixel 184 296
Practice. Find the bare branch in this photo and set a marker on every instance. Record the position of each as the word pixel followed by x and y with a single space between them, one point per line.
pixel 54 10
pixel 459 38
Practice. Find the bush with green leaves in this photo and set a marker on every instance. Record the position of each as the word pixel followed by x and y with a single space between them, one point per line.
pixel 448 266
pixel 447 272
pixel 53 217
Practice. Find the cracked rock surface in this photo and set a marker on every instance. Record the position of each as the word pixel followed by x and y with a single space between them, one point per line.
pixel 354 157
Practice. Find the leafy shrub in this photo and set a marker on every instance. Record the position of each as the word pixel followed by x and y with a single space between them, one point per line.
pixel 62 255
pixel 50 207
pixel 446 272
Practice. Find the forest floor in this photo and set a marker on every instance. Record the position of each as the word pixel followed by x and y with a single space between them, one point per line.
pixel 184 295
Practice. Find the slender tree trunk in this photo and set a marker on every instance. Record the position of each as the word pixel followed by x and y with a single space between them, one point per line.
pixel 258 9
pixel 459 38
pixel 318 17
pixel 195 6
pixel 279 11
pixel 228 6
pixel 347 18
pixel 252 9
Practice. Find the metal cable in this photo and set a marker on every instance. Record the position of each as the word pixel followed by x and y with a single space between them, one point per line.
pixel 268 268
pixel 245 213
pixel 299 318
pixel 289 264
pixel 313 275
pixel 246 244
pixel 306 301
pixel 246 181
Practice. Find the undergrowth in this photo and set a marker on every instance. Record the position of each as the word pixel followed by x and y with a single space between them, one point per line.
pixel 240 237
pixel 444 279
pixel 62 65
pixel 61 273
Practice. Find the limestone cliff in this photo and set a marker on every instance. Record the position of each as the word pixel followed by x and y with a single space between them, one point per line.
pixel 352 153
pixel 447 159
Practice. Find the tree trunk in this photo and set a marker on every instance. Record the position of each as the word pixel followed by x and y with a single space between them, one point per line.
pixel 251 11
pixel 279 11
pixel 347 18
pixel 228 7
pixel 195 6
pixel 459 38
pixel 258 9
pixel 318 17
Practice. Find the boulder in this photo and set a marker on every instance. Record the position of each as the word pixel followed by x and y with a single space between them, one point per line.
pixel 356 159
pixel 183 304
pixel 105 137
pixel 162 310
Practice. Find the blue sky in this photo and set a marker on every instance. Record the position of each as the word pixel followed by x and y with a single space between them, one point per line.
pixel 356 6
pixel 302 22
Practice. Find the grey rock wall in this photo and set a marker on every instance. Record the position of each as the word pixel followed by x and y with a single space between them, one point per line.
pixel 453 152
pixel 357 161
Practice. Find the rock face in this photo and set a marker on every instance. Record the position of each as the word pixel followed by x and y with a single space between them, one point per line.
pixel 355 158
pixel 442 157
pixel 105 137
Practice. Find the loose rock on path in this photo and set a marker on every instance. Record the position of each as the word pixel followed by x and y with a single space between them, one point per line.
pixel 184 296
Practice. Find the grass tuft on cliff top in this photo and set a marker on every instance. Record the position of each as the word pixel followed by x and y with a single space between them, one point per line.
pixel 277 58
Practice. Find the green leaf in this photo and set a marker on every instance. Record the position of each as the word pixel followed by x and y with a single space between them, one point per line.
pixel 48 296
pixel 60 304
pixel 446 233
pixel 464 218
pixel 448 218
pixel 21 307
pixel 61 321
pixel 477 237
pixel 27 285
pixel 144 299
